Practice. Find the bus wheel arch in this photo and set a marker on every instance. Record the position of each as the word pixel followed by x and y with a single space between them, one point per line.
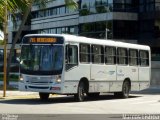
pixel 129 81
pixel 86 83
pixel 82 89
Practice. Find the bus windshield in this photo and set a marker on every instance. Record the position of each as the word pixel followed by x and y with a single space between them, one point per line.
pixel 41 59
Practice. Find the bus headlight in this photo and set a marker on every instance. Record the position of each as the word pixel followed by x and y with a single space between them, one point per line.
pixel 58 79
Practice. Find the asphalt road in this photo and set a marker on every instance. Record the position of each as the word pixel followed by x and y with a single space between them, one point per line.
pixel 105 106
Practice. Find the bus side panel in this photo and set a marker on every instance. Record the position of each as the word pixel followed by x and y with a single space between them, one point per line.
pixel 133 76
pixel 144 77
pixel 103 75
pixel 128 72
pixel 73 76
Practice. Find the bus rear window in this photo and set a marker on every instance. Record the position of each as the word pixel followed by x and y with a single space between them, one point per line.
pixel 144 58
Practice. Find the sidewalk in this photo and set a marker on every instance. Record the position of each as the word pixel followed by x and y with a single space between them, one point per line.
pixel 17 93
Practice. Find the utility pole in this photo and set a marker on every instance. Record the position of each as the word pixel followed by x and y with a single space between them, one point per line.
pixel 107 33
pixel 5 50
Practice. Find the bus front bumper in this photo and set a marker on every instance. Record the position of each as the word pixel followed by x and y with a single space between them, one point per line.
pixel 55 88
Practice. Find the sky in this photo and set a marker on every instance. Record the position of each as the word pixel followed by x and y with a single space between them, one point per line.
pixel 1 35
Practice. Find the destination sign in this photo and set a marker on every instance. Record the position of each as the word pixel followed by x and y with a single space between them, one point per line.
pixel 43 40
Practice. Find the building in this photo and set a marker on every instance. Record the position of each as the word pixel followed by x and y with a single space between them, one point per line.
pixel 135 21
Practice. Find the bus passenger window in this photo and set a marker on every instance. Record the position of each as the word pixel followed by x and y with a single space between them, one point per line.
pixel 71 56
pixel 122 56
pixel 110 55
pixel 144 58
pixel 84 53
pixel 97 54
pixel 133 57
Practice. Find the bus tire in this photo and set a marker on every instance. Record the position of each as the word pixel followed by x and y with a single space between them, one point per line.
pixel 81 92
pixel 93 94
pixel 44 96
pixel 125 90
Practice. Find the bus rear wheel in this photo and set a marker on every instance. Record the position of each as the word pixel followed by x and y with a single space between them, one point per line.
pixel 125 90
pixel 81 92
pixel 44 96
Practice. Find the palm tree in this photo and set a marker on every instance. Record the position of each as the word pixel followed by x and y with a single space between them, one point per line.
pixel 5 6
pixel 8 6
pixel 24 6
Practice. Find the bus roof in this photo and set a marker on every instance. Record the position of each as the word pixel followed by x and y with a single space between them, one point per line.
pixel 80 39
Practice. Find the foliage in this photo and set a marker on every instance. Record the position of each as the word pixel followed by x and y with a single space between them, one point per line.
pixel 1 42
pixel 23 7
pixel 71 4
pixel 12 77
pixel 12 7
pixel 101 9
pixel 85 10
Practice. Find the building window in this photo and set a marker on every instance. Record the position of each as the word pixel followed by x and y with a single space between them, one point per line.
pixel 53 31
pixel 63 30
pixel 95 6
pixel 144 58
pixel 59 30
pixel 122 56
pixel 68 29
pixel 133 57
pixel 71 30
pixel 62 10
pixel 53 11
pixel 97 54
pixel 96 29
pixel 84 53
pixel 119 5
pixel 110 55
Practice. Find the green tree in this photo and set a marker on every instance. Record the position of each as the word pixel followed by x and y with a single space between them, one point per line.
pixel 24 7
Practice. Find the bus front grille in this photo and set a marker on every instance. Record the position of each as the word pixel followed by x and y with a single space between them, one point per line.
pixel 35 87
pixel 38 80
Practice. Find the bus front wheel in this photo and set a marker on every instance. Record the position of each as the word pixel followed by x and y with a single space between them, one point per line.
pixel 81 92
pixel 44 96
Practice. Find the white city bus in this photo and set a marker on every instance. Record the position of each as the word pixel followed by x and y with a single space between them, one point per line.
pixel 80 66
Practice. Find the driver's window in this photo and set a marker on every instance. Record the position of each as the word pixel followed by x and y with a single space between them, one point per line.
pixel 71 56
